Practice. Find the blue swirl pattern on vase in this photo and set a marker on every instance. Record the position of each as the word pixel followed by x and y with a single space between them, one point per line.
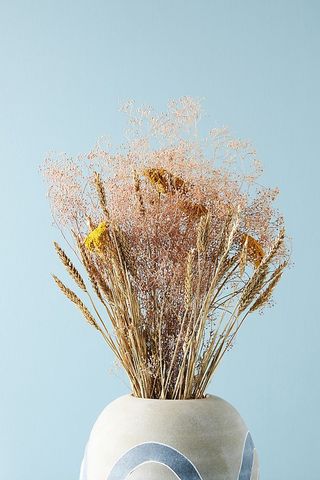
pixel 247 459
pixel 178 463
pixel 158 453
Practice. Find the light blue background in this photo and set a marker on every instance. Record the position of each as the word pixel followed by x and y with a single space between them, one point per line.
pixel 65 67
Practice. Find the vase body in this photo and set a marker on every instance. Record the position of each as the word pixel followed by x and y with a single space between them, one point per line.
pixel 204 439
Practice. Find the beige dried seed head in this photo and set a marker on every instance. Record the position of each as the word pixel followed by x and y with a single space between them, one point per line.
pixel 101 195
pixel 203 233
pixel 71 269
pixel 189 279
pixel 76 300
pixel 243 257
pixel 138 191
pixel 266 294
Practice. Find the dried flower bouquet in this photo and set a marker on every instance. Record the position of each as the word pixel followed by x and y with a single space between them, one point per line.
pixel 177 246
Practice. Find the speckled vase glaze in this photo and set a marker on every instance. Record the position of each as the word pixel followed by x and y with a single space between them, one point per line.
pixel 148 439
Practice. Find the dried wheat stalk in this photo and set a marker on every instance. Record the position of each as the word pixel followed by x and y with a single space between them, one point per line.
pixel 266 294
pixel 101 195
pixel 76 300
pixel 73 272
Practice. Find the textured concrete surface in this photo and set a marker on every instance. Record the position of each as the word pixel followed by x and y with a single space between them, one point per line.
pixel 165 439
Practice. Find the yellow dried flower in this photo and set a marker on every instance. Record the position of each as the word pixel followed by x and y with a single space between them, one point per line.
pixel 193 209
pixel 96 239
pixel 178 184
pixel 156 176
pixel 255 252
pixel 164 181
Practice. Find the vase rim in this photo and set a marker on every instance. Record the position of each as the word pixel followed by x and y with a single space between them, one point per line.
pixel 169 400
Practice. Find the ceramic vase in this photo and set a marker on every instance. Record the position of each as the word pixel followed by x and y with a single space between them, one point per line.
pixel 203 439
